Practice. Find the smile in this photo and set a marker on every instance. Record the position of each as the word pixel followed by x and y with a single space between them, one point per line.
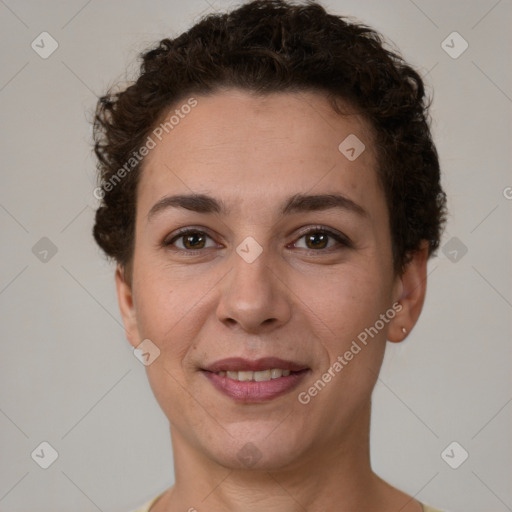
pixel 261 376
pixel 254 381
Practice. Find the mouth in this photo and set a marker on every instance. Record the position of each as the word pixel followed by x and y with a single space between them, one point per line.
pixel 247 381
pixel 261 376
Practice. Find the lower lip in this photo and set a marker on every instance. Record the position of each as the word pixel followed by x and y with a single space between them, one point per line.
pixel 254 392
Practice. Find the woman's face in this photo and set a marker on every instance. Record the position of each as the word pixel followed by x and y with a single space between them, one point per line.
pixel 266 271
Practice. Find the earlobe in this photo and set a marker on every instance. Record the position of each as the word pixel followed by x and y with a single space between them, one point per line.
pixel 412 296
pixel 126 306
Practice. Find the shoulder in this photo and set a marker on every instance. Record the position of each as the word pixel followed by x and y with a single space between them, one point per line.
pixel 426 508
pixel 147 506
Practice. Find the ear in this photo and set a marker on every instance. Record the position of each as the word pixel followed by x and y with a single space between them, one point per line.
pixel 411 289
pixel 126 306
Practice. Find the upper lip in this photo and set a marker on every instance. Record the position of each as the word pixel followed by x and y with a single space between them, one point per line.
pixel 239 364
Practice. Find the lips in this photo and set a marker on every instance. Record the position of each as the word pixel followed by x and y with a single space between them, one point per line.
pixel 253 381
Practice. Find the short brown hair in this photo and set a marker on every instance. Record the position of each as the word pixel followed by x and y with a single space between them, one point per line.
pixel 268 46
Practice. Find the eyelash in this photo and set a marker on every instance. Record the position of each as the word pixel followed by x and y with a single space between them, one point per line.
pixel 342 240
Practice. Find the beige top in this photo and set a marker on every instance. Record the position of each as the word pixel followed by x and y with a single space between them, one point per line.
pixel 149 504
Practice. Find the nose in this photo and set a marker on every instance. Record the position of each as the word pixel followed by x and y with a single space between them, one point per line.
pixel 254 296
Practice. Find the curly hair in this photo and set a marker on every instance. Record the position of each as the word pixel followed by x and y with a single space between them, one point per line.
pixel 267 46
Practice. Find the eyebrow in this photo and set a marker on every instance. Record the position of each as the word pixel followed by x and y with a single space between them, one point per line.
pixel 202 203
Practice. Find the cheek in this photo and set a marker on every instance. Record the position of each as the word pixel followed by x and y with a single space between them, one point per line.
pixel 348 302
pixel 351 306
pixel 350 299
pixel 163 306
pixel 164 314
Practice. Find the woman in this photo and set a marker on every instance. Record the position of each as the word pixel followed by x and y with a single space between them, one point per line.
pixel 271 195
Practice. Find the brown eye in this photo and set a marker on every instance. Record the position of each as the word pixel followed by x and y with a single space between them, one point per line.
pixel 317 240
pixel 193 241
pixel 190 240
pixel 322 238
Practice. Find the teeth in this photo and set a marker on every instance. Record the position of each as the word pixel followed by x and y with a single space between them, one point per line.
pixel 275 373
pixel 262 376
pixel 245 376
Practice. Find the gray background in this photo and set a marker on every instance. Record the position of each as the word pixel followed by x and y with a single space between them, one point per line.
pixel 68 376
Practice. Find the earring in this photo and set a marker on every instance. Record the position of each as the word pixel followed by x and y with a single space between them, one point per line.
pixel 404 330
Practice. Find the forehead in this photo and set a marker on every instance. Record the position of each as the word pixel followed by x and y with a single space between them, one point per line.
pixel 245 145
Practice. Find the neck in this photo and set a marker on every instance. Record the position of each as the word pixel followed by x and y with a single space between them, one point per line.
pixel 329 476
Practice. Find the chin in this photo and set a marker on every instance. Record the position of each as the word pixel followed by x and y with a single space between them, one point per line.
pixel 257 449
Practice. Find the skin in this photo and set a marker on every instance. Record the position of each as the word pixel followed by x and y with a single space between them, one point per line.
pixel 297 301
